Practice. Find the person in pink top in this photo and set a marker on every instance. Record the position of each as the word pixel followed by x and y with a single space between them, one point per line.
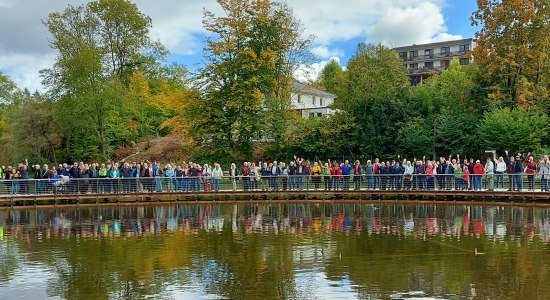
pixel 466 177
pixel 430 173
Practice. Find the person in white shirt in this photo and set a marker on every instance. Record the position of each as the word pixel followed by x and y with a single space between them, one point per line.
pixel 500 170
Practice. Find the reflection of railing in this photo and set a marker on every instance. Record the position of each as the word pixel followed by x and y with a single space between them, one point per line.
pixel 383 182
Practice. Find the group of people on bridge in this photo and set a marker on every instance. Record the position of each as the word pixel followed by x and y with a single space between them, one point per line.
pixel 448 173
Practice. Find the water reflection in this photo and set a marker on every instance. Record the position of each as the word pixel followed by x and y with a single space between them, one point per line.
pixel 276 251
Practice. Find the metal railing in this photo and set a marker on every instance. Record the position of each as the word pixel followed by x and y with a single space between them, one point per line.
pixel 381 182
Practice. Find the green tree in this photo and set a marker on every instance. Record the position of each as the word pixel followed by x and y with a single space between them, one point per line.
pixel 247 81
pixel 376 85
pixel 35 131
pixel 514 129
pixel 99 46
pixel 331 77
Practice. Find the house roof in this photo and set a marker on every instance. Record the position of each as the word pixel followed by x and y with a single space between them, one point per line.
pixel 301 88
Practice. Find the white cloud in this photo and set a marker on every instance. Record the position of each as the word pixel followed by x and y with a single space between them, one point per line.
pixel 178 25
pixel 325 52
pixel 418 24
pixel 24 69
pixel 306 73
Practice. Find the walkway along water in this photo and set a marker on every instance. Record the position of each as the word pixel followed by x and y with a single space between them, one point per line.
pixel 521 187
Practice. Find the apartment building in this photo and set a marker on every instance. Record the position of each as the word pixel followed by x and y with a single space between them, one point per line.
pixel 423 60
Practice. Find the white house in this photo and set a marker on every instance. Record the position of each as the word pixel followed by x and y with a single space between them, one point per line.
pixel 311 102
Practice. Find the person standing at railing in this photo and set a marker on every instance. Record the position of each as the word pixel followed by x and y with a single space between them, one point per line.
pixel 376 176
pixel 531 170
pixel 217 174
pixel 265 175
pixel 408 175
pixel 510 169
pixel 458 177
pixel 466 178
pixel 369 171
pixel 383 169
pixel 357 175
pixel 170 178
pixel 449 174
pixel 518 170
pixel 317 171
pixel 114 177
pixel 275 173
pixel 157 173
pixel 440 171
pixel 102 177
pixel 24 171
pixel 430 174
pixel 500 170
pixel 246 177
pixel 125 176
pixel 147 177
pixel 326 176
pixel 233 175
pixel 392 178
pixel 346 172
pixel 544 172
pixel 284 175
pixel 334 172
pixel 479 170
pixel 490 171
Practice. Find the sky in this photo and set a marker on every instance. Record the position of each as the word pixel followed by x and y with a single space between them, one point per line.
pixel 338 25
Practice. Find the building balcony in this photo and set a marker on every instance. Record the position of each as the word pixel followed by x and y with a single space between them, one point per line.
pixel 428 70
pixel 435 55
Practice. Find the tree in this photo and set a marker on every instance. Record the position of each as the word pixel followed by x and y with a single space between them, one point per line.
pixel 35 131
pixel 513 48
pixel 99 46
pixel 376 86
pixel 256 47
pixel 514 129
pixel 330 77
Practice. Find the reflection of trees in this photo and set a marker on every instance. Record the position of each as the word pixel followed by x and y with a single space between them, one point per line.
pixel 256 250
pixel 8 259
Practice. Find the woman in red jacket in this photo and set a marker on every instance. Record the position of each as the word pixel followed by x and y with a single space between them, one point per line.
pixel 479 170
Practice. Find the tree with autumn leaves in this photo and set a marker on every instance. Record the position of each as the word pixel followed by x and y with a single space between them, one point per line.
pixel 246 83
pixel 513 50
pixel 110 88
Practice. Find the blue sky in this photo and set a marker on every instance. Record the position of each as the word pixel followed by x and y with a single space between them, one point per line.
pixel 338 26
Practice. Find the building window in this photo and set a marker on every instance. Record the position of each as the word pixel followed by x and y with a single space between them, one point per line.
pixel 445 51
pixel 413 66
pixel 321 102
pixel 464 48
pixel 299 99
pixel 464 61
pixel 403 55
pixel 445 64
pixel 429 64
pixel 428 53
pixel 413 54
pixel 314 101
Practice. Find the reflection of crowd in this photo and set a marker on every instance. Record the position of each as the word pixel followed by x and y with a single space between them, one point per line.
pixel 455 222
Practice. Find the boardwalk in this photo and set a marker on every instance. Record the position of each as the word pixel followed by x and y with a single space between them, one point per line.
pixel 37 192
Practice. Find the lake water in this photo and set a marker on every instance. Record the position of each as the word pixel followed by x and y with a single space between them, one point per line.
pixel 274 251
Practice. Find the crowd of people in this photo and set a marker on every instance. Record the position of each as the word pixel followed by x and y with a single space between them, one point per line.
pixel 504 172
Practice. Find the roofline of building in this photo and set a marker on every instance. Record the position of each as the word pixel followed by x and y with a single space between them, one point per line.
pixel 434 44
pixel 313 90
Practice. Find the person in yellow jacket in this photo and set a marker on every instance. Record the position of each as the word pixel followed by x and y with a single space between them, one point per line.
pixel 316 171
